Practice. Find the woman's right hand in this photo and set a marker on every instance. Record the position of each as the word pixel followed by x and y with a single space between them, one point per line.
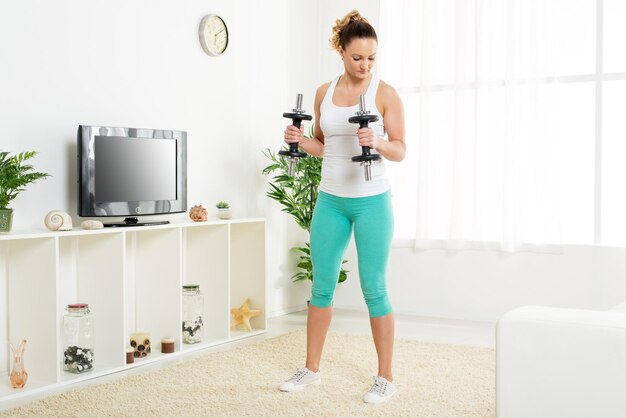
pixel 293 134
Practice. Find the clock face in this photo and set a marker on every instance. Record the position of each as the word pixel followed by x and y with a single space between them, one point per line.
pixel 213 35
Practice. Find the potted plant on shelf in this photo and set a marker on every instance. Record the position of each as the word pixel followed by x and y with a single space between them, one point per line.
pixel 15 175
pixel 298 195
pixel 223 210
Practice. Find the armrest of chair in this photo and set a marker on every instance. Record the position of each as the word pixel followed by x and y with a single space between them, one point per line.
pixel 554 362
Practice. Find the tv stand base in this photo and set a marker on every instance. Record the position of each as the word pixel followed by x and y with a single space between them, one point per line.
pixel 133 222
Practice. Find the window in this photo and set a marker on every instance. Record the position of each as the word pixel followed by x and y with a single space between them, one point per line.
pixel 576 50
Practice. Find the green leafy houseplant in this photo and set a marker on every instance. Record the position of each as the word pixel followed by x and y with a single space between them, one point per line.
pixel 298 195
pixel 15 175
pixel 222 205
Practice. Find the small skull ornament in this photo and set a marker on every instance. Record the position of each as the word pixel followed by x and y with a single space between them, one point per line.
pixel 198 213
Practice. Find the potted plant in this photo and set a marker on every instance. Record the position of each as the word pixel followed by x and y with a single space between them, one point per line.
pixel 15 175
pixel 223 210
pixel 298 195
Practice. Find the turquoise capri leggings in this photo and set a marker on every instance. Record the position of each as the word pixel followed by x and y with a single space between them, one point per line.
pixel 333 220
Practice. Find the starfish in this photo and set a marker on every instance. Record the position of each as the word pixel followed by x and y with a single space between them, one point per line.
pixel 243 314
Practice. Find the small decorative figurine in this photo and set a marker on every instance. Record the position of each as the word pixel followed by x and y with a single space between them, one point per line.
pixel 198 213
pixel 242 315
pixel 57 220
pixel 91 224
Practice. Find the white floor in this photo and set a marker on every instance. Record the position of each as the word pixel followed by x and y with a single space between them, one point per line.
pixel 407 327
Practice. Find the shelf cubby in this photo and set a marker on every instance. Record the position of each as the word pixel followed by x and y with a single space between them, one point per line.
pixel 132 280
pixel 156 276
pixel 92 271
pixel 247 263
pixel 31 305
pixel 207 264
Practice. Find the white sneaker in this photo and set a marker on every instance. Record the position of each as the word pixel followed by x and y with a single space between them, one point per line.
pixel 381 391
pixel 303 378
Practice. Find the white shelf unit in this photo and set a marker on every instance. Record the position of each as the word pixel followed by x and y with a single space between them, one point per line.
pixel 132 279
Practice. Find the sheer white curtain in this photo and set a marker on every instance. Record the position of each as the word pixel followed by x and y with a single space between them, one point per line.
pixel 477 80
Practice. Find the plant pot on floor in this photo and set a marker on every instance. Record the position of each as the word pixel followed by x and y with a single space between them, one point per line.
pixel 6 220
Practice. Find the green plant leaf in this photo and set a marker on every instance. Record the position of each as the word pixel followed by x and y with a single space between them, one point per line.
pixel 15 175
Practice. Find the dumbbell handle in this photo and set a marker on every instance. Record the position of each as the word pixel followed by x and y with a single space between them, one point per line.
pixel 297 122
pixel 297 115
pixel 365 124
pixel 363 118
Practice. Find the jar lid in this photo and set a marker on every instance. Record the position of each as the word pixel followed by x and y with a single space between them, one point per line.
pixel 191 287
pixel 78 306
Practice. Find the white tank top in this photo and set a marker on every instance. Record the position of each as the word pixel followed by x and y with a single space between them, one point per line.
pixel 340 175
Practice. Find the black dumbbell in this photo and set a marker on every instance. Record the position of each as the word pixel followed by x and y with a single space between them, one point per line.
pixel 297 116
pixel 363 118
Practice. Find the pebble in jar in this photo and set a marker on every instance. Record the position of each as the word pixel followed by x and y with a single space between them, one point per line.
pixel 78 338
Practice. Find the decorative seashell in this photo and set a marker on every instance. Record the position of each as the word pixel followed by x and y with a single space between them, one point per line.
pixel 198 213
pixel 57 220
pixel 91 224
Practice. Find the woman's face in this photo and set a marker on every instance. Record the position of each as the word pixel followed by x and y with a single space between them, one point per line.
pixel 358 57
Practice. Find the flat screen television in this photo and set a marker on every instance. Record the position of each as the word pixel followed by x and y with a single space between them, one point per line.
pixel 130 172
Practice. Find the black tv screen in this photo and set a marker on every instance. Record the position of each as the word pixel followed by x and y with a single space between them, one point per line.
pixel 134 169
pixel 131 171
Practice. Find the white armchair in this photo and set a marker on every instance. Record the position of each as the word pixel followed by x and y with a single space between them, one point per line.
pixel 555 362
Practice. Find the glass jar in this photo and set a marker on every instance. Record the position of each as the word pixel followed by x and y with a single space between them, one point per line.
pixel 193 305
pixel 78 338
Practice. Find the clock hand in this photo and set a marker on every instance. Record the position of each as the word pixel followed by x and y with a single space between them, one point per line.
pixel 215 35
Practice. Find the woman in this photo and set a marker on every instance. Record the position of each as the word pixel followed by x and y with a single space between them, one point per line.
pixel 346 201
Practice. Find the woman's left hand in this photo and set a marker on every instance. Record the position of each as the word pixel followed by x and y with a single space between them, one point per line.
pixel 367 138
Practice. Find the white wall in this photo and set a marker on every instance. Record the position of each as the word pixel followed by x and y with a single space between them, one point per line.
pixel 139 64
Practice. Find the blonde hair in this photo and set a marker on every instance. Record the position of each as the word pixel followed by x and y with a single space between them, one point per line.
pixel 351 26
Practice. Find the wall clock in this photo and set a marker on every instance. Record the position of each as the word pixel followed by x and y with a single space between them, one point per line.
pixel 213 35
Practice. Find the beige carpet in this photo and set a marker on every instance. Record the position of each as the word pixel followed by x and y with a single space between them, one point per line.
pixel 435 380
